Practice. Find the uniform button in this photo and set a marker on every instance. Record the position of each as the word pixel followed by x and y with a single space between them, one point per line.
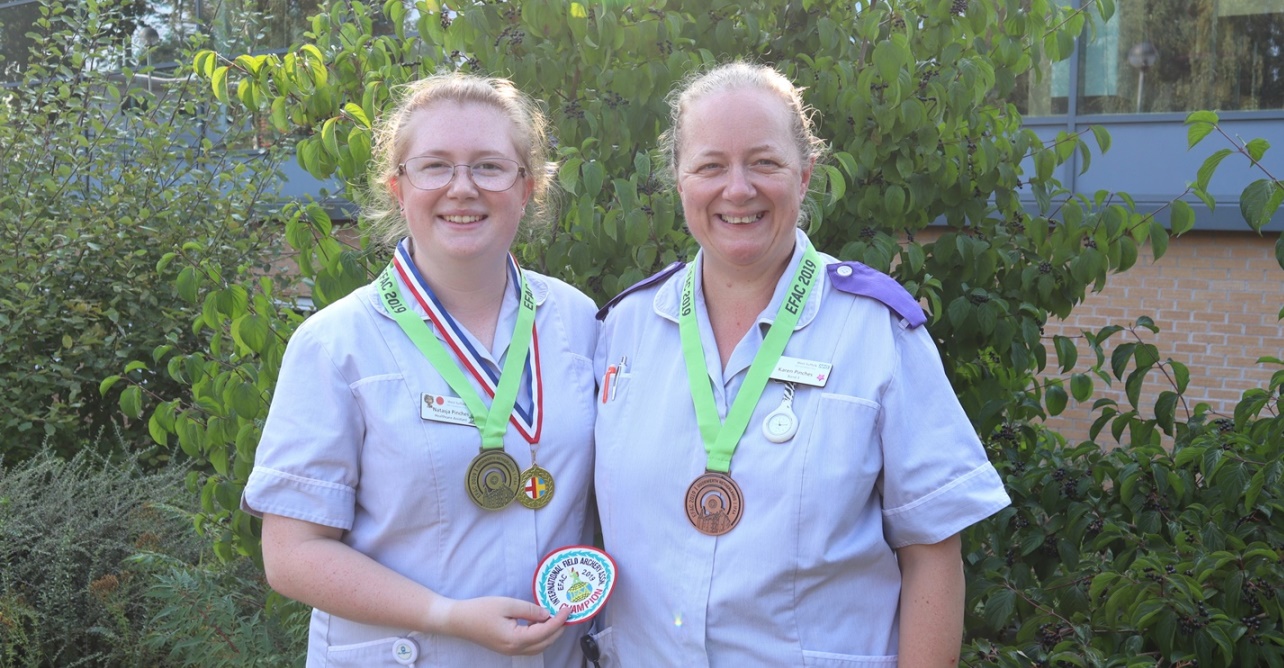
pixel 405 651
pixel 843 270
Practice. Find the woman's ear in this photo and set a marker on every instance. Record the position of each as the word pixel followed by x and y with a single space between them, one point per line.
pixel 806 176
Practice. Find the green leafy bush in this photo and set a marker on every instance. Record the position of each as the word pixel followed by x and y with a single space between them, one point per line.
pixel 99 566
pixel 103 177
pixel 67 597
pixel 1138 555
pixel 212 614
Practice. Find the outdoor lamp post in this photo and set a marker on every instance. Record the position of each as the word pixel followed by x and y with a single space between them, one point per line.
pixel 1142 56
pixel 149 38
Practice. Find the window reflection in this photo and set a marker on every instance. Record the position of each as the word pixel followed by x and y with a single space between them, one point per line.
pixel 15 46
pixel 1157 56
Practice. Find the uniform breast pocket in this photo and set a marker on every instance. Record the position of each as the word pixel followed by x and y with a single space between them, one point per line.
pixel 843 457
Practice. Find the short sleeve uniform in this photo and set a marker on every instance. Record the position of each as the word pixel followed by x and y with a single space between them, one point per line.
pixel 345 445
pixel 884 457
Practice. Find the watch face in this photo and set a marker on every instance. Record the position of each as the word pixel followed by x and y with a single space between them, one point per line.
pixel 579 577
pixel 780 426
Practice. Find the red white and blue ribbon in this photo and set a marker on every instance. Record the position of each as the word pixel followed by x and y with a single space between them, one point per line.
pixel 528 421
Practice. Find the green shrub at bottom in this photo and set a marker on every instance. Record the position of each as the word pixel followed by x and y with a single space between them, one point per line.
pixel 1140 555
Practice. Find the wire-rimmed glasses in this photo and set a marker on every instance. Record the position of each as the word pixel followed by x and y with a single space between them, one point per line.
pixel 491 174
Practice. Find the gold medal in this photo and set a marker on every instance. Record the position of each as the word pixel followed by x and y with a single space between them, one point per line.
pixel 537 487
pixel 714 503
pixel 493 479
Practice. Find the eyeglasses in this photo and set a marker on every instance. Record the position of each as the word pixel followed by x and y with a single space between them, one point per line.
pixel 492 174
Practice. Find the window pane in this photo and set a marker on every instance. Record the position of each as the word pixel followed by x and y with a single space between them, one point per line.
pixel 15 22
pixel 253 26
pixel 1183 55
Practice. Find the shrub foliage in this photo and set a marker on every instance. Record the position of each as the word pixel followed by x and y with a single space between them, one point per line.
pixel 103 176
pixel 67 597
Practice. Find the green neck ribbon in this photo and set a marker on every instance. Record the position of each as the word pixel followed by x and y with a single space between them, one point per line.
pixel 493 423
pixel 720 440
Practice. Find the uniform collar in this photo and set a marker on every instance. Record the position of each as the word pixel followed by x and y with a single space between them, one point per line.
pixel 669 296
pixel 507 311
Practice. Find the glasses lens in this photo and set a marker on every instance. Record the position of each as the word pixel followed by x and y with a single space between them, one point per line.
pixel 494 175
pixel 428 173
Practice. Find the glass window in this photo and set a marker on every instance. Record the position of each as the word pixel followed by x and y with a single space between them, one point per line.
pixel 16 20
pixel 1183 55
pixel 1156 56
pixel 254 26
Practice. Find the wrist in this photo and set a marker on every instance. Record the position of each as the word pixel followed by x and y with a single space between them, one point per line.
pixel 438 616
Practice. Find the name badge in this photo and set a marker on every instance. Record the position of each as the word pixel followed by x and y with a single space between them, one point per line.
pixel 441 408
pixel 804 372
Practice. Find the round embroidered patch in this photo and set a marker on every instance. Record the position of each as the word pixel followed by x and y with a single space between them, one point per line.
pixel 577 576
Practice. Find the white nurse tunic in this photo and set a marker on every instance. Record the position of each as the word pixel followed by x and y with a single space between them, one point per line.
pixel 345 446
pixel 884 457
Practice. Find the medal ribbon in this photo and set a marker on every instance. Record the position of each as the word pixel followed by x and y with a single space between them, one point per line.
pixel 720 440
pixel 528 423
pixel 493 422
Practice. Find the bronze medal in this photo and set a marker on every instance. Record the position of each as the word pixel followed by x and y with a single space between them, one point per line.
pixel 493 479
pixel 714 503
pixel 537 488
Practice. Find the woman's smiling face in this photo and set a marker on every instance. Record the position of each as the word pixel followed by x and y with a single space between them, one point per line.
pixel 460 221
pixel 742 179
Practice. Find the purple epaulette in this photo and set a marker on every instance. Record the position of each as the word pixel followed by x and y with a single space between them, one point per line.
pixel 858 279
pixel 646 282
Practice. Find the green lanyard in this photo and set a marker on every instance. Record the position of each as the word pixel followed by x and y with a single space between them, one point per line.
pixel 720 440
pixel 495 420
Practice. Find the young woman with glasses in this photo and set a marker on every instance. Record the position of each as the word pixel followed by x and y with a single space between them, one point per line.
pixel 431 434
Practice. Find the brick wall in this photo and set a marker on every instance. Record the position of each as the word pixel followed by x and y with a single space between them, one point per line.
pixel 1214 296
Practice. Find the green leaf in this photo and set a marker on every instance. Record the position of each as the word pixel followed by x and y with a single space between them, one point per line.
pixel 636 227
pixel 1132 386
pixel 1103 137
pixel 1182 219
pixel 156 431
pixel 1165 410
pixel 1081 386
pixel 894 200
pixel 187 284
pixel 106 385
pixel 246 401
pixel 329 137
pixel 999 608
pixel 131 402
pixel 1200 124
pixel 1254 489
pixel 1055 398
pixel 569 175
pixel 1067 352
pixel 1256 204
pixel 837 184
pixel 357 114
pixel 218 83
pixel 1257 148
pixel 887 58
pixel 1279 256
pixel 1119 358
pixel 594 175
pixel 1181 375
pixel 1158 239
pixel 1207 169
